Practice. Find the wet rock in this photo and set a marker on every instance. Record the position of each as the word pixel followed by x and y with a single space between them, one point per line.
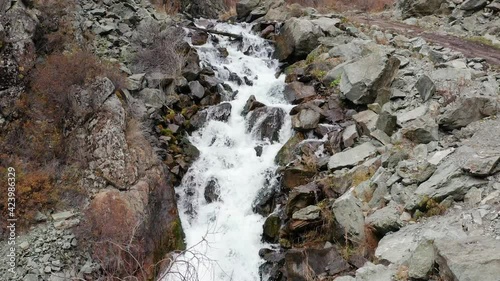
pixel 287 152
pixel 422 130
pixel 199 38
pixel 308 213
pixel 266 32
pixel 363 80
pixel 305 120
pixel 210 82
pixel 298 37
pixel 219 112
pixel 251 104
pixel 467 110
pixel 196 89
pixel 265 202
pixel 258 150
pixel 349 217
pixel 301 264
pixel 301 197
pixel 352 157
pixel 474 258
pixel 271 229
pixel 296 92
pixel 266 123
pixel 296 175
pixel 211 193
pixel 425 87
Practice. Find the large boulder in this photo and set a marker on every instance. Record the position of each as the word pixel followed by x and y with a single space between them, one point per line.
pixel 473 5
pixel 203 8
pixel 467 110
pixel 447 180
pixel 266 122
pixel 301 197
pixel 296 92
pixel 398 247
pixel 474 258
pixel 305 120
pixel 220 112
pixel 297 39
pixel 422 130
pixel 352 157
pixel 245 7
pixel 386 219
pixel 287 153
pixel 416 8
pixel 305 264
pixel 349 217
pixel 363 80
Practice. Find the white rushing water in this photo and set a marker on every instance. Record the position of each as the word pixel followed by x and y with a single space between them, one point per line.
pixel 231 229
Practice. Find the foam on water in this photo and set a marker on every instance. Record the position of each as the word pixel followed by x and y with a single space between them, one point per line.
pixel 231 230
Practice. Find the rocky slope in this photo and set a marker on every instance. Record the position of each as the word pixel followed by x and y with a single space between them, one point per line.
pixel 391 174
pixel 471 19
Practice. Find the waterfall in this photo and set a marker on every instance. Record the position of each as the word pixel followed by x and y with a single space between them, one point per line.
pixel 224 237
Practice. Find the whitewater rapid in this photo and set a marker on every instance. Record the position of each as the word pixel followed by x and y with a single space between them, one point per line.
pixel 224 237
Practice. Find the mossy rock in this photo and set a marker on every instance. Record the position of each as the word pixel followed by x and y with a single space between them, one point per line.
pixel 286 153
pixel 271 228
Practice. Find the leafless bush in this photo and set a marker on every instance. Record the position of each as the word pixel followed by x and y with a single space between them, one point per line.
pixel 159 49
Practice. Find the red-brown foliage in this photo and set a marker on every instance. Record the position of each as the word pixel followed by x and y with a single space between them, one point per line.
pixel 60 72
pixel 54 31
pixel 35 191
pixel 110 229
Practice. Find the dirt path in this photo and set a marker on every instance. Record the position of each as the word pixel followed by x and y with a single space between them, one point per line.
pixel 468 48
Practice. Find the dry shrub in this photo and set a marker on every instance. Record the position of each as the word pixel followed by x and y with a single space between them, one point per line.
pixel 55 78
pixel 170 7
pixel 35 191
pixel 343 5
pixel 54 32
pixel 110 229
pixel 159 49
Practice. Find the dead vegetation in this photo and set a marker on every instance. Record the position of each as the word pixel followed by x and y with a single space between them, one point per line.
pixel 159 49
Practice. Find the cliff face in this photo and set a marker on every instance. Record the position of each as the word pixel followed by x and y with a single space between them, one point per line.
pixel 89 146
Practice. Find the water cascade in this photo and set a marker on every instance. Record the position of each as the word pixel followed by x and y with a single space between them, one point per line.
pixel 223 237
